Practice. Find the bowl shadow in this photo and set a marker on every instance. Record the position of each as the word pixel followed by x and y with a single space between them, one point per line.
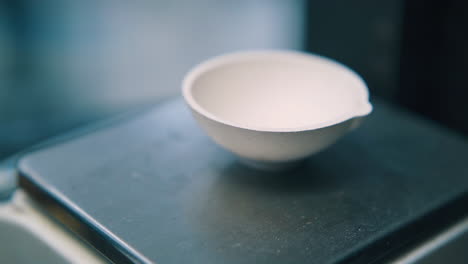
pixel 307 176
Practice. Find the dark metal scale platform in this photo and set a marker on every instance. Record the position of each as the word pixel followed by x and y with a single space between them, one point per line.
pixel 155 188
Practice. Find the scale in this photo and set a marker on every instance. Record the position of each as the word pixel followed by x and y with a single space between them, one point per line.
pixel 154 188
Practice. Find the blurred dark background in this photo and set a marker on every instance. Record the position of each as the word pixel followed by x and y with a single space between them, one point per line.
pixel 67 63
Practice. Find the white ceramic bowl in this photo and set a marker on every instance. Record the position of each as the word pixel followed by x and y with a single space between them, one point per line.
pixel 273 108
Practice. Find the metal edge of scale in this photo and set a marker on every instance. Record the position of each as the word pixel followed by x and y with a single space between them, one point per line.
pixel 422 253
pixel 432 226
pixel 64 211
pixel 80 223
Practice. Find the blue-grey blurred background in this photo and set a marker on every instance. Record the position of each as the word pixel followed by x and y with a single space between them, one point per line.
pixel 66 63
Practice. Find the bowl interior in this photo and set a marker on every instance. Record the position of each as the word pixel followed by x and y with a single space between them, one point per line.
pixel 276 90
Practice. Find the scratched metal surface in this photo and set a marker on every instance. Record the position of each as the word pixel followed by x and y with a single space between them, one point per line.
pixel 166 191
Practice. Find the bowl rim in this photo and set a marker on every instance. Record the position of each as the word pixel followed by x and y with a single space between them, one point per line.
pixel 364 109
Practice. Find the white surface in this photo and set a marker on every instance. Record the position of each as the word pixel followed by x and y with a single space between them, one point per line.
pixel 275 106
pixel 29 236
pixel 276 91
